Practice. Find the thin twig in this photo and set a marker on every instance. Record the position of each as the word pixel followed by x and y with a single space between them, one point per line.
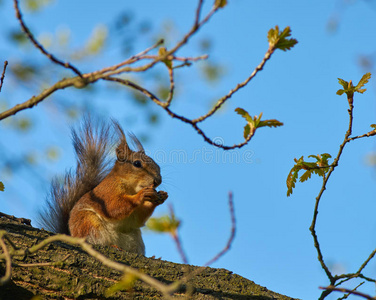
pixel 169 57
pixel 62 84
pixel 88 78
pixel 155 99
pixel 232 235
pixel 130 60
pixel 43 264
pixel 350 276
pixel 3 74
pixel 354 289
pixel 176 238
pixel 172 86
pixel 135 86
pixel 343 290
pixel 221 101
pixel 366 261
pixel 38 45
pixel 198 12
pixel 368 134
pixel 318 198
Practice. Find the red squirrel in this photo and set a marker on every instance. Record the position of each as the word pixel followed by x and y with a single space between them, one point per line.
pixel 106 205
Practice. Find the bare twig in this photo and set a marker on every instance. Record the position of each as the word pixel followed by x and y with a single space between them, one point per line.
pixel 131 60
pixel 62 84
pixel 174 115
pixel 56 263
pixel 38 45
pixel 343 277
pixel 3 74
pixel 354 289
pixel 343 290
pixel 176 238
pixel 232 235
pixel 318 198
pixel 108 73
pixel 198 12
pixel 368 134
pixel 221 101
pixel 177 58
pixel 366 261
pixel 172 86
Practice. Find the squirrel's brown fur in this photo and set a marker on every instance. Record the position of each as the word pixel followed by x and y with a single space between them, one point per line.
pixel 107 206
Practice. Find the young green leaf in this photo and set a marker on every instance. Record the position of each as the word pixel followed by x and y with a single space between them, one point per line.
pixel 162 51
pixel 373 126
pixel 247 130
pixel 291 180
pixel 362 82
pixel 305 176
pixel 320 167
pixel 344 83
pixel 270 123
pixel 279 40
pixel 1 186
pixel 255 122
pixel 165 224
pixel 244 114
pixel 349 88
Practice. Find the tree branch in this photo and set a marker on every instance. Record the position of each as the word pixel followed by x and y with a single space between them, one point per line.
pixel 3 74
pixel 232 234
pixel 38 45
pixel 343 290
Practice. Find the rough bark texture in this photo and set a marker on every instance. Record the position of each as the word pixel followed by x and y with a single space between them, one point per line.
pixel 83 277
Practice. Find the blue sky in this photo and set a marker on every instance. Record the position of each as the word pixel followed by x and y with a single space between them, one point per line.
pixel 273 246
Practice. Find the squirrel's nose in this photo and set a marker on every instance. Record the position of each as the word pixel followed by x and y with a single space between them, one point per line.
pixel 157 181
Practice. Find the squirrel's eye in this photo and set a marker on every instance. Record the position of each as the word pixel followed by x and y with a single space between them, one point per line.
pixel 137 164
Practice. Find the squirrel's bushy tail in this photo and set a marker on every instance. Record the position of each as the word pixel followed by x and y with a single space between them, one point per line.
pixel 92 142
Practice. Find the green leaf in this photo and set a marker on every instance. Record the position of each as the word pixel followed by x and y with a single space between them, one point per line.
pixel 163 224
pixel 2 186
pixel 247 130
pixel 291 180
pixel 344 83
pixel 244 114
pixel 340 92
pixel 305 176
pixel 361 91
pixel 362 82
pixel 220 3
pixel 320 167
pixel 279 39
pixel 270 123
pixel 349 88
pixel 162 51
pixel 373 126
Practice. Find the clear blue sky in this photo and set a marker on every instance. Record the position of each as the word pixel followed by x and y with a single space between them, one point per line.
pixel 273 245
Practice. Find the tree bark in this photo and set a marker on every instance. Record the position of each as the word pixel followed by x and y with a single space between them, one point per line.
pixel 81 276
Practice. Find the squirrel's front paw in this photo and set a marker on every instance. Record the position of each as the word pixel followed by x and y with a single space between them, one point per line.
pixel 162 195
pixel 149 194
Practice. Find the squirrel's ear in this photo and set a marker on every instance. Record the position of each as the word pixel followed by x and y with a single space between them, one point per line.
pixel 136 142
pixel 122 151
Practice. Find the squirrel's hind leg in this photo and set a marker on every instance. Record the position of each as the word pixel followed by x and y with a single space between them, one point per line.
pixel 85 223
